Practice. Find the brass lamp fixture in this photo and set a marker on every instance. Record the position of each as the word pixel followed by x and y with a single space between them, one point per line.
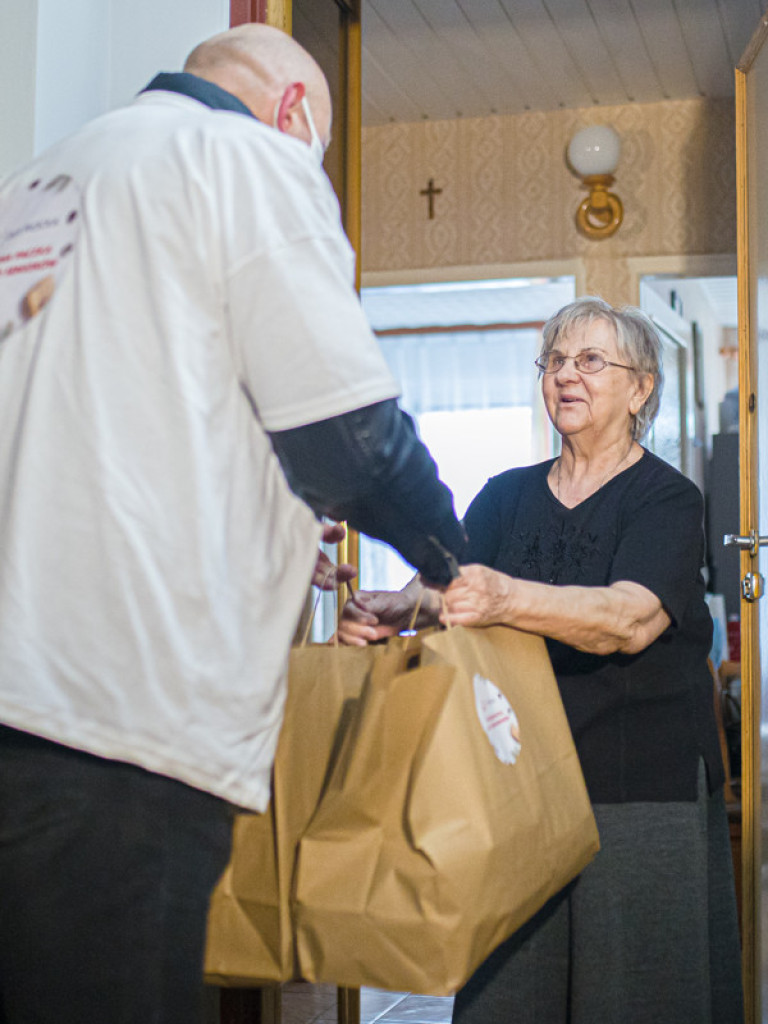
pixel 593 154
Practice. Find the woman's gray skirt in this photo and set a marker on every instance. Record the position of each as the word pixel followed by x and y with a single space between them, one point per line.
pixel 647 934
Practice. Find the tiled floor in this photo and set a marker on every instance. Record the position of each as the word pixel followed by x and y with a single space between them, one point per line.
pixel 316 1004
pixel 302 1003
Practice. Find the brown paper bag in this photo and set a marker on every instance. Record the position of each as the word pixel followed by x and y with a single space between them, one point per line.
pixel 250 937
pixel 457 807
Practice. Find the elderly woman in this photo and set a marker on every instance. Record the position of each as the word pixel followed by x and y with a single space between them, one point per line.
pixel 600 552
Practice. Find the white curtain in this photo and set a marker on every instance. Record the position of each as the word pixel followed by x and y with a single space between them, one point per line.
pixel 483 369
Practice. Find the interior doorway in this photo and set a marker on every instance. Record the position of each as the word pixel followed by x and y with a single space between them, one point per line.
pixel 463 353
pixel 697 320
pixel 700 402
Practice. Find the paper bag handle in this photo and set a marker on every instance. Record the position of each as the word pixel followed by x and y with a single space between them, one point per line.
pixel 446 616
pixel 417 609
pixel 311 619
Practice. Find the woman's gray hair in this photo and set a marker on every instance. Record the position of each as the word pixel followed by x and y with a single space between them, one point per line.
pixel 637 340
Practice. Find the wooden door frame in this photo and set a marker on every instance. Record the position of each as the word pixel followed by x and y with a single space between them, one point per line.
pixel 265 12
pixel 751 690
pixel 262 1005
pixel 279 13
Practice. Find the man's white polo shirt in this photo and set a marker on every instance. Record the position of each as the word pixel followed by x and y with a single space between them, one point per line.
pixel 174 283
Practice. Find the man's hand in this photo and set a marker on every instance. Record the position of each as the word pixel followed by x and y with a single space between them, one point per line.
pixel 372 615
pixel 328 576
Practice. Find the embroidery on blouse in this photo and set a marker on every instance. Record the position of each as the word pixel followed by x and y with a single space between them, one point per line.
pixel 554 553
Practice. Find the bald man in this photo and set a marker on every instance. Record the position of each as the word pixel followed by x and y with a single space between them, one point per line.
pixel 275 77
pixel 187 383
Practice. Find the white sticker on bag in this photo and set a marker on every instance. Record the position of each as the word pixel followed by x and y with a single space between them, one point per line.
pixel 497 719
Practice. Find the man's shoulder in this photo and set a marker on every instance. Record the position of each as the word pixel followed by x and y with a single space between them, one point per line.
pixel 215 134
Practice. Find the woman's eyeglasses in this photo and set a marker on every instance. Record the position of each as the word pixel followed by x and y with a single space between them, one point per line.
pixel 584 362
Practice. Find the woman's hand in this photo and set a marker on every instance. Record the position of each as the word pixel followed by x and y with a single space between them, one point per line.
pixel 478 597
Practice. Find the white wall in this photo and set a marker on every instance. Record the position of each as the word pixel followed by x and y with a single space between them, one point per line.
pixel 71 62
pixel 18 34
pixel 148 36
pixel 62 63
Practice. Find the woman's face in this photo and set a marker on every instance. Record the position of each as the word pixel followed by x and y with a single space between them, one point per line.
pixel 597 406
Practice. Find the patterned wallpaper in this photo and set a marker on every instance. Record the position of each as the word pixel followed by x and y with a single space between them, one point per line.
pixel 508 196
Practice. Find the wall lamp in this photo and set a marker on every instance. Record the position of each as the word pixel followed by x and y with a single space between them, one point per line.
pixel 593 154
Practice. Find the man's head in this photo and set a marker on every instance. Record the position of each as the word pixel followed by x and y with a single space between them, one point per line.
pixel 272 75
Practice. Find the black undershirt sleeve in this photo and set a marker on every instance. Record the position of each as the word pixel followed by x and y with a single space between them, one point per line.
pixel 369 467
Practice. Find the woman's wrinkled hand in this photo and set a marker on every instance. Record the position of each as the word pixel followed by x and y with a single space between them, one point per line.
pixel 479 596
pixel 373 615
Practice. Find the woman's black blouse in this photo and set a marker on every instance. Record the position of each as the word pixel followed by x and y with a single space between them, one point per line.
pixel 642 721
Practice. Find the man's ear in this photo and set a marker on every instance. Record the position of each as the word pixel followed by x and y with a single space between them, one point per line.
pixel 288 107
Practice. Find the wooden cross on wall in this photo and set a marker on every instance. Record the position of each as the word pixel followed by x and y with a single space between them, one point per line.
pixel 430 192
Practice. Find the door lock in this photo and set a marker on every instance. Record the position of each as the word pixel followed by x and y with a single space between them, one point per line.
pixel 752 586
pixel 752 583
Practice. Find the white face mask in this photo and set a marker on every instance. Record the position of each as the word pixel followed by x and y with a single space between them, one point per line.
pixel 316 147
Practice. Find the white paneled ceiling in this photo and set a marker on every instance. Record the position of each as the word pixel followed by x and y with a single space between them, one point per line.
pixel 440 59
